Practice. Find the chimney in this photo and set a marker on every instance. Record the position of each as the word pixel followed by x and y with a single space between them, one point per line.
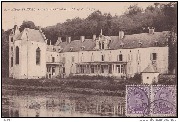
pixel 46 41
pixel 16 29
pixel 68 39
pixel 94 37
pixel 39 27
pixel 121 34
pixel 101 32
pixel 82 38
pixel 151 30
pixel 59 39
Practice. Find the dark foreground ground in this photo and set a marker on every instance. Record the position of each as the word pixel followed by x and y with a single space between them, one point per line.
pixel 84 84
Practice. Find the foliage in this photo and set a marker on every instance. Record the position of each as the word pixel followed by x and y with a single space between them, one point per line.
pixel 27 24
pixel 134 20
pixel 167 80
pixel 137 78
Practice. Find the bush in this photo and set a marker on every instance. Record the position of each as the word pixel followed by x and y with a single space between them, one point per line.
pixel 136 79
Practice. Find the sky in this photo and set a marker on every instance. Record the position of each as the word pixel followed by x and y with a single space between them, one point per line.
pixel 50 13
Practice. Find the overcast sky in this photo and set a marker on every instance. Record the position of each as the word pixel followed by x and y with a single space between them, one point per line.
pixel 47 14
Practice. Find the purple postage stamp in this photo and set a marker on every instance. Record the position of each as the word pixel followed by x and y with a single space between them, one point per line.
pixel 151 100
pixel 163 100
pixel 137 100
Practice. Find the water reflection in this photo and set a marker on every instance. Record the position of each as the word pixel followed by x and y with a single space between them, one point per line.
pixel 33 104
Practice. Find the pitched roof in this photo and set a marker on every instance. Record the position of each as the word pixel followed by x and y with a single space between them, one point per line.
pixel 150 69
pixel 141 40
pixel 77 45
pixel 32 35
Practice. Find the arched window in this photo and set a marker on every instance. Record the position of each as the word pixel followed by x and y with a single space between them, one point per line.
pixel 38 55
pixel 99 45
pixel 17 55
pixel 11 39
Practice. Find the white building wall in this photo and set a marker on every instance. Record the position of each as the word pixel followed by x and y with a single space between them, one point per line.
pixel 36 71
pixel 148 78
pixel 50 54
pixel 139 59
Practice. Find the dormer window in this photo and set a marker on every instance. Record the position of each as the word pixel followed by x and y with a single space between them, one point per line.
pixel 59 50
pixel 140 43
pixel 82 47
pixel 122 45
pixel 71 48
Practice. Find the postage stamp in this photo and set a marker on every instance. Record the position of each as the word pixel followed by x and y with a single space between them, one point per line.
pixel 137 100
pixel 163 100
pixel 150 100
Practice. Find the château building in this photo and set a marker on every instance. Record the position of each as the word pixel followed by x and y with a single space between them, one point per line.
pixel 120 56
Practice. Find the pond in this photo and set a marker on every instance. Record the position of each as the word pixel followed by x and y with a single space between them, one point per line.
pixel 59 104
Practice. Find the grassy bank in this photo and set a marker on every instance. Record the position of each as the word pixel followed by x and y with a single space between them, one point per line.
pixel 87 85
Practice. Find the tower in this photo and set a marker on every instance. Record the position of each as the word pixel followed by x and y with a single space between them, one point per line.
pixel 12 37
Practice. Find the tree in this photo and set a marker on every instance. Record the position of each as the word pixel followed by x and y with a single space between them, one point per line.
pixel 27 24
pixel 133 10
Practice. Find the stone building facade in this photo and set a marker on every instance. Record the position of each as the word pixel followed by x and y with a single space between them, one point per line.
pixel 119 56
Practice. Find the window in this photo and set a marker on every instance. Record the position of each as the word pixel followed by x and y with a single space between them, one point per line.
pixel 102 69
pixel 11 49
pixel 103 45
pixel 110 69
pixel 38 55
pixel 120 57
pixel 17 55
pixel 118 68
pixel 102 57
pixel 82 68
pixel 92 57
pixel 122 68
pixel 129 57
pixel 99 45
pixel 11 61
pixel 53 59
pixel 48 69
pixel 53 70
pixel 72 59
pixel 63 69
pixel 92 69
pixel 71 48
pixel 138 57
pixel 154 56
pixel 12 39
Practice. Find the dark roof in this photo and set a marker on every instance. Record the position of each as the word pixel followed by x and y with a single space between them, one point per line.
pixel 77 45
pixel 150 69
pixel 141 40
pixel 32 35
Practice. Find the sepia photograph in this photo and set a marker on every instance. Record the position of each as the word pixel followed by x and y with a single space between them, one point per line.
pixel 89 59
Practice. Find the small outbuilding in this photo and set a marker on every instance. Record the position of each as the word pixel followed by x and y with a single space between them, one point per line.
pixel 150 74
